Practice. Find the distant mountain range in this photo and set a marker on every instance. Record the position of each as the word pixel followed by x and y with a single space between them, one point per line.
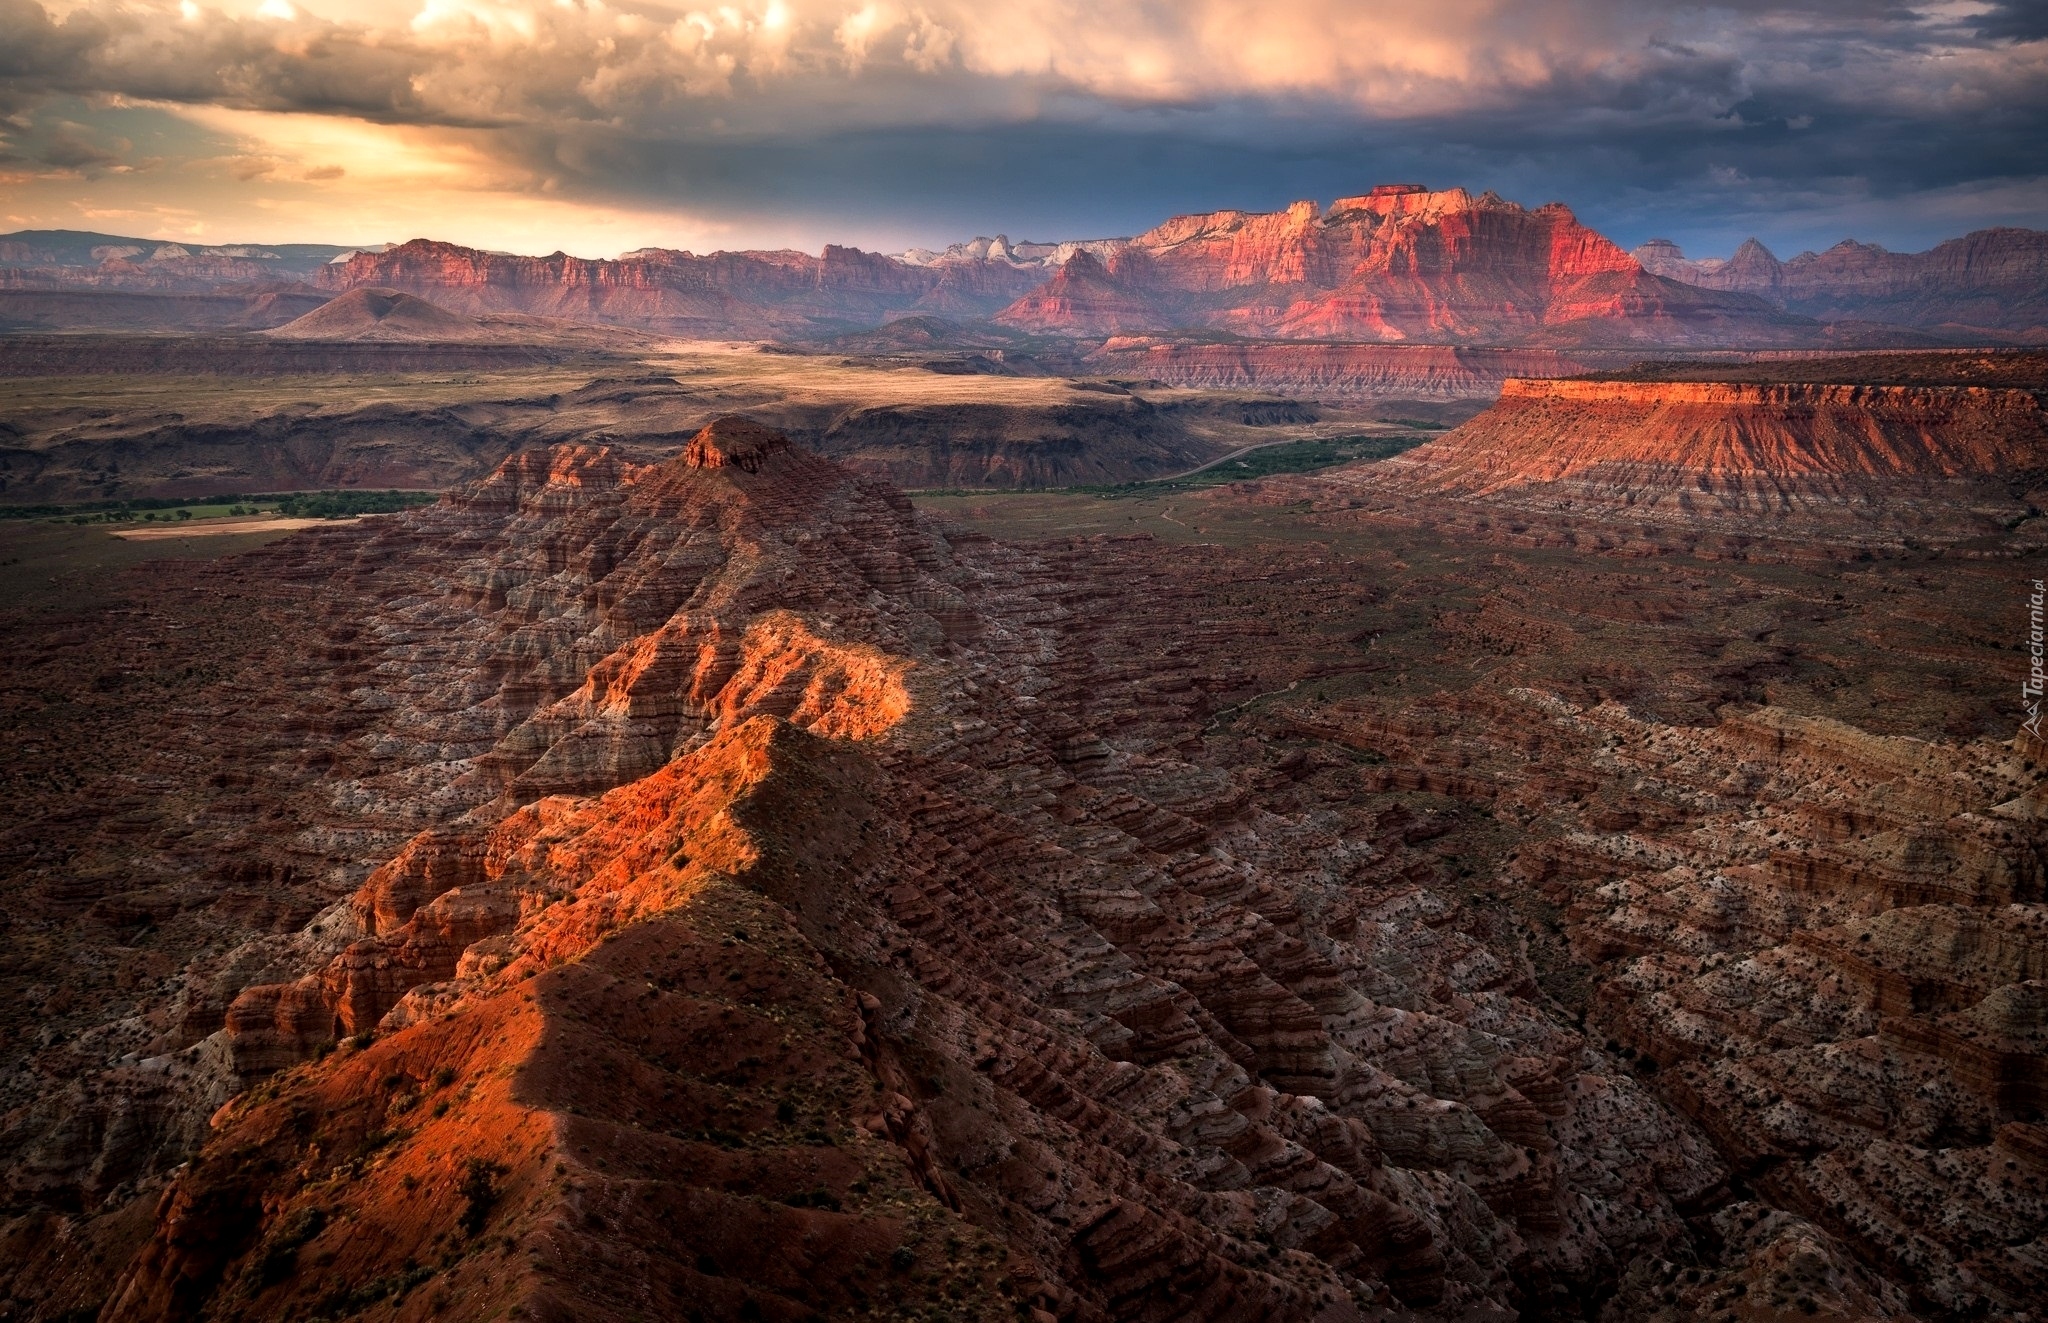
pixel 1988 281
pixel 82 257
pixel 1398 265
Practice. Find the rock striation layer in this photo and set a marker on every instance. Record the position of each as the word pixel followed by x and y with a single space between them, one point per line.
pixel 1399 264
pixel 1875 463
pixel 760 295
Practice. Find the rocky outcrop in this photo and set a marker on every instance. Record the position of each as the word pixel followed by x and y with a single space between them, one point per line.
pixel 1399 264
pixel 1992 281
pixel 752 294
pixel 1880 463
pixel 745 894
pixel 1088 297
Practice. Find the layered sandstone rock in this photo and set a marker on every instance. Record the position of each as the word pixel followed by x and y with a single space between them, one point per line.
pixel 1872 463
pixel 1827 946
pixel 1396 265
pixel 754 294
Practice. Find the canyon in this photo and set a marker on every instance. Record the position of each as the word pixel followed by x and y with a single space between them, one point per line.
pixel 701 878
pixel 89 419
pixel 1393 761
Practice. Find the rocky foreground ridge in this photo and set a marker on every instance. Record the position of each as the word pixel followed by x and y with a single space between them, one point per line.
pixel 712 886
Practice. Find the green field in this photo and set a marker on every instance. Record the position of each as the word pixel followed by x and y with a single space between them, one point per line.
pixel 1305 456
pixel 300 505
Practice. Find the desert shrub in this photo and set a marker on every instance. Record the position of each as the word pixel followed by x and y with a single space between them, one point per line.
pixel 480 1192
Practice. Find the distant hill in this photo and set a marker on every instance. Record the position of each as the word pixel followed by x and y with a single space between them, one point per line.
pixel 381 314
pixel 87 248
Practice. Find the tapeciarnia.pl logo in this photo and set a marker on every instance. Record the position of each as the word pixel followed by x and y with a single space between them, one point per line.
pixel 2037 676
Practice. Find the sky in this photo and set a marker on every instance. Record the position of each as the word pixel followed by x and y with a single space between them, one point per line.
pixel 597 127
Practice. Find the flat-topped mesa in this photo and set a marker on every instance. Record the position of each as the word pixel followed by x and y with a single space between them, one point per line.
pixel 1799 458
pixel 1788 430
pixel 1403 200
pixel 733 442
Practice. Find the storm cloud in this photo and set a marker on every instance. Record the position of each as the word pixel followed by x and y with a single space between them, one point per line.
pixel 890 124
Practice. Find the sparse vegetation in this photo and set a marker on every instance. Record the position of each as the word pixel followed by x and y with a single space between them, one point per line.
pixel 1302 456
pixel 480 1192
pixel 346 505
pixel 280 1254
pixel 1270 461
pixel 151 509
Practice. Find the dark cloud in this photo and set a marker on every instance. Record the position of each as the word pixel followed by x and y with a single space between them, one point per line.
pixel 2014 20
pixel 1784 119
pixel 69 148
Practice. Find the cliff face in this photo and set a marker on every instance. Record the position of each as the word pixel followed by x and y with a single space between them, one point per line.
pixel 752 294
pixel 1391 266
pixel 1406 265
pixel 1994 280
pixel 1943 461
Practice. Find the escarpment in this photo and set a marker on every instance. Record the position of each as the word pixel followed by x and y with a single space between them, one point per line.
pixel 1866 465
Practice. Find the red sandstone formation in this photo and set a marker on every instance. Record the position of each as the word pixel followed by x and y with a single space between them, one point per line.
pixel 1395 265
pixel 752 294
pixel 1085 297
pixel 1989 280
pixel 1399 264
pixel 1937 462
